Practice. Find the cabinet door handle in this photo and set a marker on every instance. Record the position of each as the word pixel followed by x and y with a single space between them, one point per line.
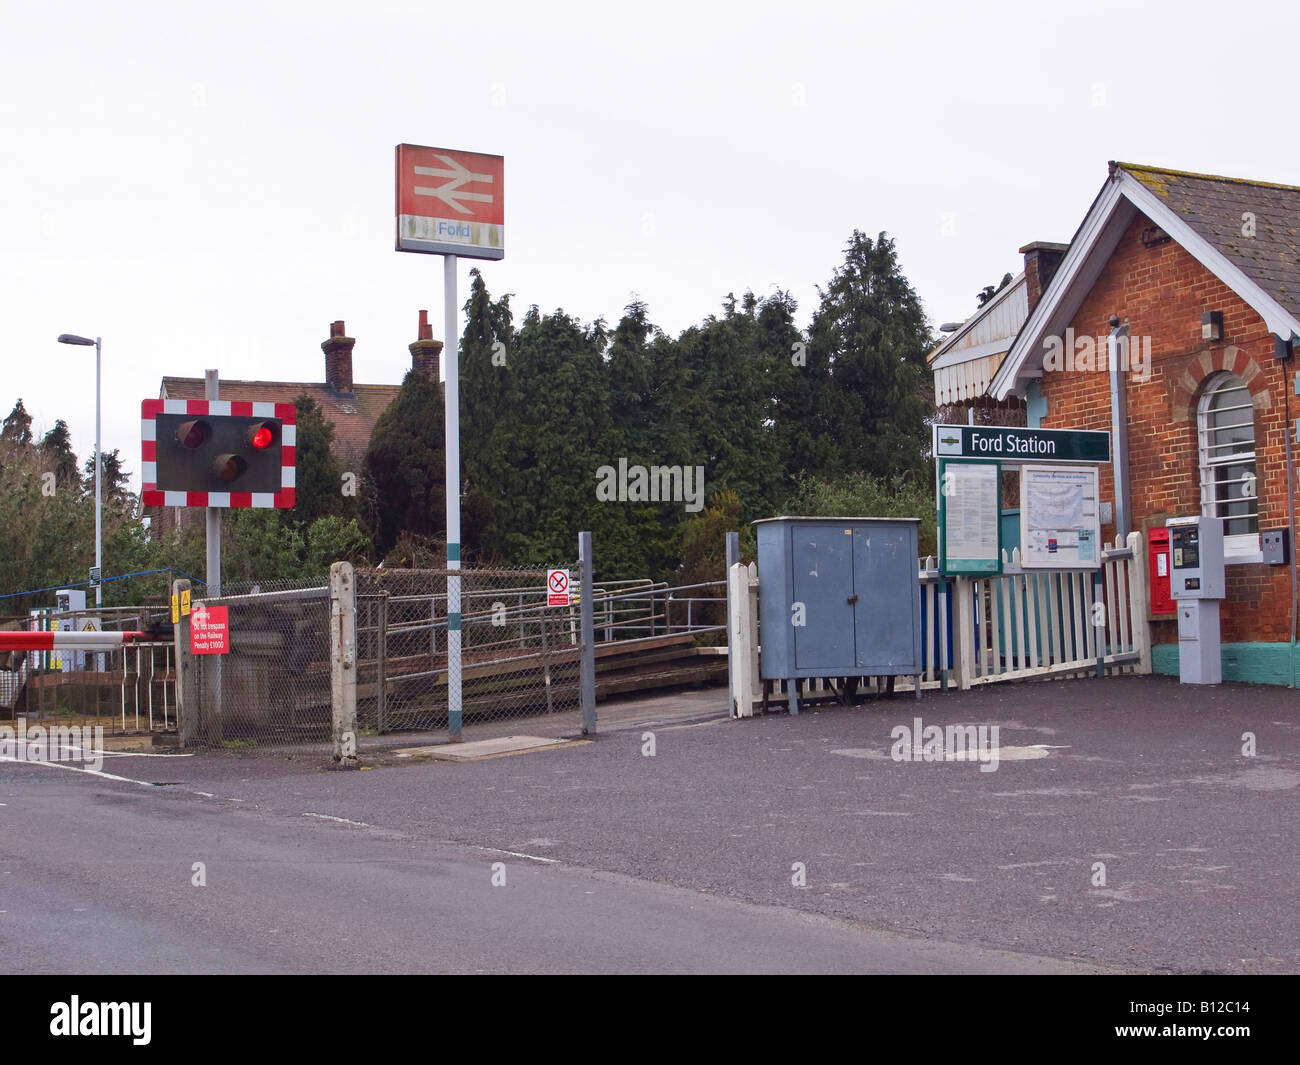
pixel 851 600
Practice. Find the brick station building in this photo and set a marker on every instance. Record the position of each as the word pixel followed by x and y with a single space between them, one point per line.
pixel 1197 279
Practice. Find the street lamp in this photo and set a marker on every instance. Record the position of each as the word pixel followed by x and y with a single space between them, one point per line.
pixel 72 338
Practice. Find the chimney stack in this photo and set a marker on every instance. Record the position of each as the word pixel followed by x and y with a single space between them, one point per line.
pixel 338 359
pixel 1041 260
pixel 426 352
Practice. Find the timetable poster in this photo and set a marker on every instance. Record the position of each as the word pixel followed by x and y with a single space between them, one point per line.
pixel 970 495
pixel 1059 517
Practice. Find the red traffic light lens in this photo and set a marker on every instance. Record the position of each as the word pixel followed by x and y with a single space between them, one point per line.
pixel 263 437
pixel 193 434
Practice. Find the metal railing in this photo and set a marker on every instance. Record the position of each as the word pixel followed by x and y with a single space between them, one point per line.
pixel 132 689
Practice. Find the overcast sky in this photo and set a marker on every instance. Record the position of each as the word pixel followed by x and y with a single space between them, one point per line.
pixel 212 185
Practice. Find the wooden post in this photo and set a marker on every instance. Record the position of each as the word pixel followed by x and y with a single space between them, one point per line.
pixel 742 653
pixel 964 632
pixel 1137 601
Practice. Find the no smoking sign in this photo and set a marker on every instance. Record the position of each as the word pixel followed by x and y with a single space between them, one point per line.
pixel 557 587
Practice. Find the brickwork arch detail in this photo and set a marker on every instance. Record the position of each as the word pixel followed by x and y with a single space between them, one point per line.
pixel 1186 393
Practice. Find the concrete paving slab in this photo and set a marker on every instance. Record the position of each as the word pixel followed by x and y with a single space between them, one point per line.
pixel 497 747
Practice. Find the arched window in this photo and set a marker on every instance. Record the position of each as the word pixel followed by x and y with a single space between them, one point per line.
pixel 1225 423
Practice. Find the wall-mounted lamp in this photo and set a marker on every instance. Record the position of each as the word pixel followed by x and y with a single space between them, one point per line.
pixel 1211 325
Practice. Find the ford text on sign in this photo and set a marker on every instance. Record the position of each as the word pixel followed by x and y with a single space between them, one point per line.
pixel 210 631
pixel 1013 444
pixel 450 202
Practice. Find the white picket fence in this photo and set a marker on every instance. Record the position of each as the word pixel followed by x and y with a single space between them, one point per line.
pixel 1022 624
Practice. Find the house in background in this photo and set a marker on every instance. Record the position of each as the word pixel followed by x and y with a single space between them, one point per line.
pixel 1199 276
pixel 352 408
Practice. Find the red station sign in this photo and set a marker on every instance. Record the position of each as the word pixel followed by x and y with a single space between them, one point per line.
pixel 450 202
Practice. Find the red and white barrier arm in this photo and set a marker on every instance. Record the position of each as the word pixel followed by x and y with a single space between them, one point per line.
pixel 67 641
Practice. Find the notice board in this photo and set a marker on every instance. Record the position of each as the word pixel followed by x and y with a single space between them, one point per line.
pixel 1060 524
pixel 970 526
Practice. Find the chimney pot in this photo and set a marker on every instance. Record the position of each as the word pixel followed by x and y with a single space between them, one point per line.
pixel 338 358
pixel 425 351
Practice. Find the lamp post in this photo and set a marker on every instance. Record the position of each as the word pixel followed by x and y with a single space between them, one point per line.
pixel 72 338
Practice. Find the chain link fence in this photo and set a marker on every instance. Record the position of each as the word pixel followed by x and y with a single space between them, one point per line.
pixel 272 686
pixel 314 666
pixel 519 656
pixel 274 679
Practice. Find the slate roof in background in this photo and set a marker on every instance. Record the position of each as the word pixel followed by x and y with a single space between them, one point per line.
pixel 1213 208
pixel 353 415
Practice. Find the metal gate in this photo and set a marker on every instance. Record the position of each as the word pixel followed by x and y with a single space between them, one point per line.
pixel 273 687
pixel 519 657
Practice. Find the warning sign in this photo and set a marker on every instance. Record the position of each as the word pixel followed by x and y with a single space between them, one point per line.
pixel 210 630
pixel 557 587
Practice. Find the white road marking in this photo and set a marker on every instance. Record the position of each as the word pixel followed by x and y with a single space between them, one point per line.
pixel 140 754
pixel 119 754
pixel 693 724
pixel 528 857
pixel 340 820
pixel 78 769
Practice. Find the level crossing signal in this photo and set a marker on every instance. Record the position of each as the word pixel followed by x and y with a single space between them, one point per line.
pixel 212 454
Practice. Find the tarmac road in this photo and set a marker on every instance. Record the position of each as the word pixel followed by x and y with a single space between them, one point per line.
pixel 100 877
pixel 686 861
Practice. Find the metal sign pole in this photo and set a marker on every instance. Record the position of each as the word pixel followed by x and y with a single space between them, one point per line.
pixel 452 447
pixel 99 490
pixel 211 391
pixel 212 515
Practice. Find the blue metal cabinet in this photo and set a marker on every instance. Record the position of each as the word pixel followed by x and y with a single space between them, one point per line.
pixel 838 597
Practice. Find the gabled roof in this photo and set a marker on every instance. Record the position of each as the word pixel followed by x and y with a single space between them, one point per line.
pixel 1204 214
pixel 1214 208
pixel 353 414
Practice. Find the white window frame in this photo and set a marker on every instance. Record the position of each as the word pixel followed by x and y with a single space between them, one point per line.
pixel 1237 547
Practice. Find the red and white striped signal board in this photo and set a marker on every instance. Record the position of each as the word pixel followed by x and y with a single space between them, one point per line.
pixel 217 453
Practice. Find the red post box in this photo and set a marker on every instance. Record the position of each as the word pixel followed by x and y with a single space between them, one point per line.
pixel 1162 600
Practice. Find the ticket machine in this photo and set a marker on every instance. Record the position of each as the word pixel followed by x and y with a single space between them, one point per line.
pixel 1196 581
